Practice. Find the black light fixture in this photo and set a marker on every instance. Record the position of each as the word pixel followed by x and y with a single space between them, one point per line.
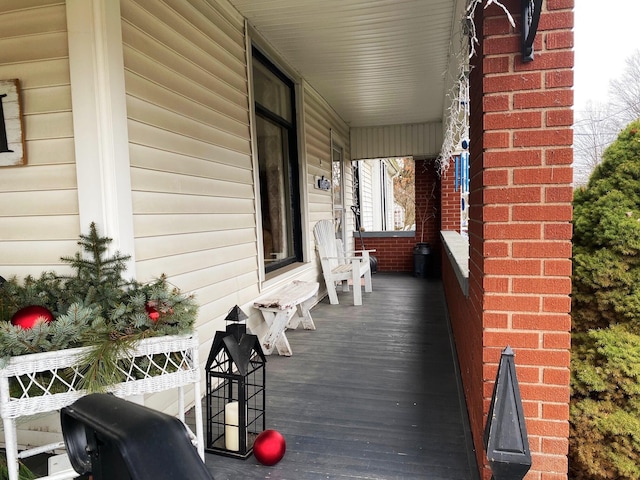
pixel 530 18
pixel 505 434
pixel 235 399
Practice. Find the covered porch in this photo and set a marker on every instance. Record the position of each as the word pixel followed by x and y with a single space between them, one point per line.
pixel 373 393
pixel 146 117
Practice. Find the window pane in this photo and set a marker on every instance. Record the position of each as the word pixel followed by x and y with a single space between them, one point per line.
pixel 337 179
pixel 338 196
pixel 271 92
pixel 274 188
pixel 275 128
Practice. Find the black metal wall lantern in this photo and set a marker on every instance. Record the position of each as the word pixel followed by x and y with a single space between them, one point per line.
pixel 235 399
pixel 530 18
pixel 505 434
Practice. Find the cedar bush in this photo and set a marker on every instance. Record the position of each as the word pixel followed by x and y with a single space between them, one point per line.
pixel 605 381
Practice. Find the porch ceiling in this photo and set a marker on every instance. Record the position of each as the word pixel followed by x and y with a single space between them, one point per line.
pixel 377 62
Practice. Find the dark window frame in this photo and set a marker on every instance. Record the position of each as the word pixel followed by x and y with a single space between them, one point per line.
pixel 293 163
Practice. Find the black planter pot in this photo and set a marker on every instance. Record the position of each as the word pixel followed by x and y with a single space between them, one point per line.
pixel 422 260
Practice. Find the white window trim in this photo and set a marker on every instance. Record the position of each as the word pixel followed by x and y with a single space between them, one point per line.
pixel 253 37
pixel 337 142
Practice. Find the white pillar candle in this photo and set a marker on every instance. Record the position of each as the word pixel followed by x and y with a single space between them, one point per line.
pixel 231 431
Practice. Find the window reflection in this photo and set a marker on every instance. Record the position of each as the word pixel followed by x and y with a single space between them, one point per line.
pixel 272 151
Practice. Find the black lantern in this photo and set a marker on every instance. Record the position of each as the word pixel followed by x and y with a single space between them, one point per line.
pixel 235 401
pixel 505 434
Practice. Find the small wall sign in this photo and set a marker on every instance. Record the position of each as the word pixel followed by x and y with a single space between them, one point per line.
pixel 12 147
pixel 321 183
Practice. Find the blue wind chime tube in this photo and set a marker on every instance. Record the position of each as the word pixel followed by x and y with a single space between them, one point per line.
pixel 464 171
pixel 457 172
pixel 468 168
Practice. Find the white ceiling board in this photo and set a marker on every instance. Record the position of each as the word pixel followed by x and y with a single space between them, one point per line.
pixel 377 62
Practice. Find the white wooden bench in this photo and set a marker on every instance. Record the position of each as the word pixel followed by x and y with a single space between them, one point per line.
pixel 279 312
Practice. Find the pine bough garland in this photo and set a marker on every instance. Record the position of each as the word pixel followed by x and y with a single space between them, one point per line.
pixel 96 307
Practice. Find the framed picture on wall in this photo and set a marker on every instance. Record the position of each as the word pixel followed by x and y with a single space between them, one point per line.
pixel 12 143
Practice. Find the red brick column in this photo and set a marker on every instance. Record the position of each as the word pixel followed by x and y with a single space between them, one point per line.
pixel 450 200
pixel 427 188
pixel 520 255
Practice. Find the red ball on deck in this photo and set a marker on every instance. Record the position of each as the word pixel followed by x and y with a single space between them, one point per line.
pixel 28 317
pixel 269 447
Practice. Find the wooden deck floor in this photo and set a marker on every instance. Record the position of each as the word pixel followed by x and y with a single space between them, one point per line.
pixel 373 393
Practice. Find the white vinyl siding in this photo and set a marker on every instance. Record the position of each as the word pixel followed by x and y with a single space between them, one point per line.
pixel 191 169
pixel 38 201
pixel 189 145
pixel 367 205
pixel 418 140
pixel 319 120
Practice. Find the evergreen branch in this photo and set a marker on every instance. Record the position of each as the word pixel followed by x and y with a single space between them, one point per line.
pixel 23 472
pixel 102 363
pixel 95 307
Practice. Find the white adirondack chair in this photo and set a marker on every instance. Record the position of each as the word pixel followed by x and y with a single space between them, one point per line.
pixel 337 267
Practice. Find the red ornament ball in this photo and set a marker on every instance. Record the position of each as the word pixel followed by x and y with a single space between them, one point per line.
pixel 28 317
pixel 153 313
pixel 269 447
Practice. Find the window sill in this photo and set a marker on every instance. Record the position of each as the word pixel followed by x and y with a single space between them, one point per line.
pixel 457 248
pixel 386 234
pixel 284 275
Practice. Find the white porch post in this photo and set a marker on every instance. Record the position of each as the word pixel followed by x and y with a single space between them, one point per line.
pixel 100 121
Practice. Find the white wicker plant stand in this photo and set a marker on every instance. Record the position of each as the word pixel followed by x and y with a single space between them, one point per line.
pixel 154 365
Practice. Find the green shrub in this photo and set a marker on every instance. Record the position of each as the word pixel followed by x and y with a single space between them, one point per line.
pixel 605 401
pixel 605 407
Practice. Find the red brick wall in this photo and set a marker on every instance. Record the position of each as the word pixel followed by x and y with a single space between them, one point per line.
pixel 395 254
pixel 450 201
pixel 467 330
pixel 520 230
pixel 428 201
pixel 466 313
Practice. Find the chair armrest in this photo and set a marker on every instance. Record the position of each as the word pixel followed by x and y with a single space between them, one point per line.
pixel 346 259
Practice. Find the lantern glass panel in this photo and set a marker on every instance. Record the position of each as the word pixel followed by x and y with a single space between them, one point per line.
pixel 235 410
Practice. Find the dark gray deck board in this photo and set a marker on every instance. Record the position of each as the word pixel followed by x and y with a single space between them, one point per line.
pixel 373 393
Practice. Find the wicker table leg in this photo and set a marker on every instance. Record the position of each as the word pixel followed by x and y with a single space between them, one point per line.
pixel 11 446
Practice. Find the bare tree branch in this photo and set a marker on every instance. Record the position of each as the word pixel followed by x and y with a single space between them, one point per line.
pixel 594 131
pixel 600 123
pixel 625 91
